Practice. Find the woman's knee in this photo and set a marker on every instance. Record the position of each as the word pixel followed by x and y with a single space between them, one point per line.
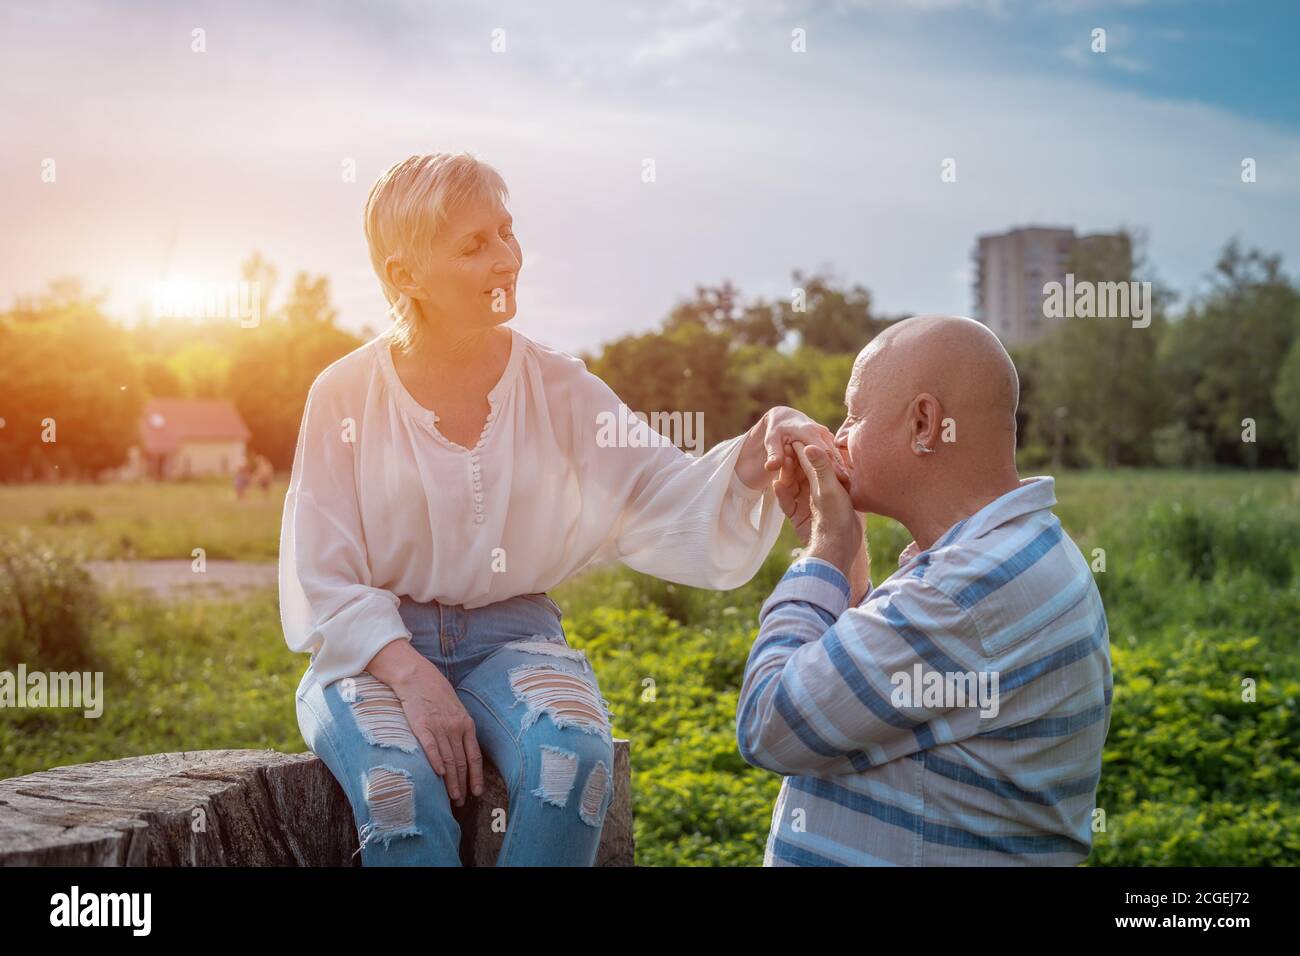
pixel 574 771
pixel 567 738
pixel 394 791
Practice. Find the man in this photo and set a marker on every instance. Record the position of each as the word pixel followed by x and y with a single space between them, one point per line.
pixel 955 714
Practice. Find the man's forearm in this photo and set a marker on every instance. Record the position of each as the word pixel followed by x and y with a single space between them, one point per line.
pixel 804 605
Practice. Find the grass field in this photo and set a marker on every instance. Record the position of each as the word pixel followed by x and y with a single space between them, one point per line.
pixel 170 519
pixel 149 520
pixel 1201 590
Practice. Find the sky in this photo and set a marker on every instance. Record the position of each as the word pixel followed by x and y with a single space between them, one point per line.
pixel 173 164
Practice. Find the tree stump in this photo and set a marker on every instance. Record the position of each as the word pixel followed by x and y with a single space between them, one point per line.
pixel 231 808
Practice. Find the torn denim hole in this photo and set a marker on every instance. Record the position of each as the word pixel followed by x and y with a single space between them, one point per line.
pixel 538 644
pixel 380 716
pixel 559 769
pixel 390 799
pixel 592 808
pixel 570 700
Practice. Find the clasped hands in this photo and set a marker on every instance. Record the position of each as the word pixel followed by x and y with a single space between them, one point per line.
pixel 812 489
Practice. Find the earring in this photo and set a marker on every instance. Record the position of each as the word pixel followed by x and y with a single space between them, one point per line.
pixel 922 447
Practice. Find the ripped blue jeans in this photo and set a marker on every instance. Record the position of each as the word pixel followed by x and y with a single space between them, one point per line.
pixel 538 716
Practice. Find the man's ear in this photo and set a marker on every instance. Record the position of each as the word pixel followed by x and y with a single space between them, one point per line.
pixel 400 278
pixel 926 421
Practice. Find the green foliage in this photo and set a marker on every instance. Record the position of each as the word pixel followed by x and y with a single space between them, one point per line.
pixel 48 606
pixel 1193 775
pixel 271 371
pixel 1179 446
pixel 1221 362
pixel 201 675
pixel 1286 396
pixel 1200 591
pixel 56 424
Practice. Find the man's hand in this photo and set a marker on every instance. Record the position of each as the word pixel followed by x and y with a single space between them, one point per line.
pixel 835 529
pixel 792 495
pixel 767 447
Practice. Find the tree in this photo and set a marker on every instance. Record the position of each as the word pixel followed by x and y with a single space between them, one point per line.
pixel 1095 389
pixel 1286 397
pixel 70 376
pixel 1222 360
pixel 274 364
pixel 833 319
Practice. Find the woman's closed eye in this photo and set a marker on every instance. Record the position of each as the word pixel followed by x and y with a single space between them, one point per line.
pixel 482 245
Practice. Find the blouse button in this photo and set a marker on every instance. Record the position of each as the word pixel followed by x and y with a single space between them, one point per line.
pixel 478 519
pixel 478 507
pixel 478 497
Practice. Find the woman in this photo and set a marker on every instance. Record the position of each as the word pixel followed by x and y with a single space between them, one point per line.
pixel 448 473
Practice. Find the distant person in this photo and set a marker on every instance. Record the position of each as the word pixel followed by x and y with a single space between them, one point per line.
pixel 448 474
pixel 955 713
pixel 243 476
pixel 263 473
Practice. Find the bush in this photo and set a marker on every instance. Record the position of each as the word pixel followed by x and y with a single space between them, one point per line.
pixel 48 606
pixel 1177 446
pixel 69 516
pixel 1206 540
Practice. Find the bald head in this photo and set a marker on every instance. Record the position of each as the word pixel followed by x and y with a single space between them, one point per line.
pixel 957 360
pixel 932 410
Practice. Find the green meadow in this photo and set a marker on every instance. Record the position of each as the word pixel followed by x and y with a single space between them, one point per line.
pixel 1200 584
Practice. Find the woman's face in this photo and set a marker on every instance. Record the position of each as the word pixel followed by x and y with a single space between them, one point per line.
pixel 470 275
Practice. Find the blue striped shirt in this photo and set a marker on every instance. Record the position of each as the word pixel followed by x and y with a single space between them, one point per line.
pixel 874 714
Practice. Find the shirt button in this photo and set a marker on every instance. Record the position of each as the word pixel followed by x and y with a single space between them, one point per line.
pixel 478 519
pixel 478 497
pixel 478 507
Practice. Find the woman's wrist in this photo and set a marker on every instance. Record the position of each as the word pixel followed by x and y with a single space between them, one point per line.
pixel 752 461
pixel 398 664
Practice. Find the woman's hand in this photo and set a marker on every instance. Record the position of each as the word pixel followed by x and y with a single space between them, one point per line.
pixel 436 716
pixel 768 446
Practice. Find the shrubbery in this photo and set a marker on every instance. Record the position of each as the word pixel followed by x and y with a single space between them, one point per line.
pixel 1199 598
pixel 48 607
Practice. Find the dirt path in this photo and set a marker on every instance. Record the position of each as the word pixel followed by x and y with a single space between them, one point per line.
pixel 177 579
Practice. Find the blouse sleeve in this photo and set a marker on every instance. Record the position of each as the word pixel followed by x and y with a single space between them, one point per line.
pixel 680 518
pixel 327 603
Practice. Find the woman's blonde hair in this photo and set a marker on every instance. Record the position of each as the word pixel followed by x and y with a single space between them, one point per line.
pixel 408 206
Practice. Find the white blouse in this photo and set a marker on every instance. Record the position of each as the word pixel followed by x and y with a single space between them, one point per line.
pixel 380 504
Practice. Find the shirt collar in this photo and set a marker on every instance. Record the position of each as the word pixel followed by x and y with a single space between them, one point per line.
pixel 1034 494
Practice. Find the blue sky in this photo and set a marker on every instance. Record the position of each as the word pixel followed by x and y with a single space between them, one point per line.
pixel 176 164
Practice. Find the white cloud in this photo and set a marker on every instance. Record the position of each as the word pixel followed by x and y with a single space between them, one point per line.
pixel 767 160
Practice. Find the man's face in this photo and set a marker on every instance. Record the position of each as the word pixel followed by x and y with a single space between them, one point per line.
pixel 864 441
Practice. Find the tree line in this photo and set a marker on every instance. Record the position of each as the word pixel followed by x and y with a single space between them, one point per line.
pixel 1215 382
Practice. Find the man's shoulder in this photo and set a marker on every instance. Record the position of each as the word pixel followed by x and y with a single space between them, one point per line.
pixel 1014 580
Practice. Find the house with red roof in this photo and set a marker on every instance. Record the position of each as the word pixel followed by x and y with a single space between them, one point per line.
pixel 189 437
